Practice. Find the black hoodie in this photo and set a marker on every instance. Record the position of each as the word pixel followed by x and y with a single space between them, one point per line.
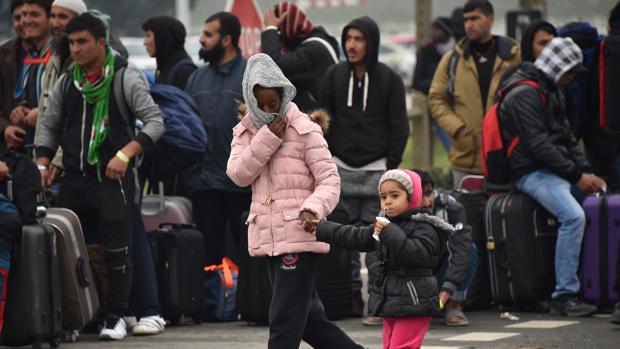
pixel 527 41
pixel 169 50
pixel 368 122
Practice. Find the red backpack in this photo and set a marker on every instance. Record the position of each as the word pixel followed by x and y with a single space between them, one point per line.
pixel 495 156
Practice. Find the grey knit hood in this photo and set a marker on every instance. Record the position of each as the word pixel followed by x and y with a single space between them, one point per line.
pixel 559 56
pixel 262 70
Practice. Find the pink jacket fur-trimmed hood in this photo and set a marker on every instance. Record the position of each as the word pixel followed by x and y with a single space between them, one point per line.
pixel 287 176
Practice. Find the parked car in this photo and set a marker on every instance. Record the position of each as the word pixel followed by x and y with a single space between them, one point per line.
pixel 138 55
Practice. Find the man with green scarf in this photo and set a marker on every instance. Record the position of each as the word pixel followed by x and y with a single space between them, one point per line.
pixel 85 117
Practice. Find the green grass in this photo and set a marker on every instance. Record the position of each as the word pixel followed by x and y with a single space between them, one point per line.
pixel 440 169
pixel 440 156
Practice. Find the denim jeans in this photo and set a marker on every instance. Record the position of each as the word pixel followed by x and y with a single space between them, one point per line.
pixel 554 194
pixel 144 296
pixel 460 294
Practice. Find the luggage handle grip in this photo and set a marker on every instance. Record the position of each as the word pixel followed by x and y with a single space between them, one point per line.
pixel 176 226
pixel 80 268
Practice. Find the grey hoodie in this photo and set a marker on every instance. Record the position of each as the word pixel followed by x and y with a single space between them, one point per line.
pixel 262 70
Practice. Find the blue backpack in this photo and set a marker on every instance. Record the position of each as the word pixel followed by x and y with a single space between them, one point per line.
pixel 583 90
pixel 185 138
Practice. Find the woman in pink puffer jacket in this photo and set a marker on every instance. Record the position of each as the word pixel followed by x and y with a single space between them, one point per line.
pixel 282 154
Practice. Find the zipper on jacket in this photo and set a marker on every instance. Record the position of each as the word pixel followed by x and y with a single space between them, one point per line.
pixel 413 293
pixel 82 138
pixel 268 202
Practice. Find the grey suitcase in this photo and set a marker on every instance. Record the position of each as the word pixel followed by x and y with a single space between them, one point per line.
pixel 80 302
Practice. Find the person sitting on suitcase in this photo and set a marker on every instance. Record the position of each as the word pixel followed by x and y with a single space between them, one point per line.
pixel 409 243
pixel 458 265
pixel 547 160
pixel 85 118
pixel 282 154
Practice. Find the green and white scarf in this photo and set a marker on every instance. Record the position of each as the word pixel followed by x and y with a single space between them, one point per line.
pixel 98 94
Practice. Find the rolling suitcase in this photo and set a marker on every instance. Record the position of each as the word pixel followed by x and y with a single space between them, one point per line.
pixel 521 237
pixel 600 249
pixel 179 250
pixel 253 286
pixel 157 209
pixel 33 312
pixel 334 282
pixel 474 201
pixel 80 301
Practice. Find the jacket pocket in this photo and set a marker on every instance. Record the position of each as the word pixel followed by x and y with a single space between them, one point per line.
pixel 464 148
pixel 253 231
pixel 293 228
pixel 413 292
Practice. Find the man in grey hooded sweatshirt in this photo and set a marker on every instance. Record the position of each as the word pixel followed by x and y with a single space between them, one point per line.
pixel 547 160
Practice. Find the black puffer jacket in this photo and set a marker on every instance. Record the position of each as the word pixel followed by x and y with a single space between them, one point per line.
pixel 546 139
pixel 409 249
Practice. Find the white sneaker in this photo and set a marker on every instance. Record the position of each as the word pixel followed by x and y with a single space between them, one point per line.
pixel 113 329
pixel 149 325
pixel 130 322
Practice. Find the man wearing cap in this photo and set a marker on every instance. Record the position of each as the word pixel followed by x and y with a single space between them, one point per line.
pixel 547 160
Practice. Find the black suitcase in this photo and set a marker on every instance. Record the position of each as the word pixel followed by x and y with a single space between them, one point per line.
pixel 521 238
pixel 474 202
pixel 334 283
pixel 254 289
pixel 33 306
pixel 179 253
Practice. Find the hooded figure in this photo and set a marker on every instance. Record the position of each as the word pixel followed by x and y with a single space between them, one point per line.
pixel 527 44
pixel 292 176
pixel 174 65
pixel 369 117
pixel 527 39
pixel 261 70
pixel 302 50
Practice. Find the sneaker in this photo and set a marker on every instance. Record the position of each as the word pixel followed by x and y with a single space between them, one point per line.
pixel 615 317
pixel 130 322
pixel 372 321
pixel 149 325
pixel 114 328
pixel 571 306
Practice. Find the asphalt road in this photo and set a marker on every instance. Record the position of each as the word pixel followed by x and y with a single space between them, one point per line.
pixel 486 330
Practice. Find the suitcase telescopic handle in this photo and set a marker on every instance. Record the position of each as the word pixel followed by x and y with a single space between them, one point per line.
pixel 176 226
pixel 80 268
pixel 9 186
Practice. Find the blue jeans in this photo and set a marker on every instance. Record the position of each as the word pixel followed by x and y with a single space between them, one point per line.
pixel 461 289
pixel 144 296
pixel 554 194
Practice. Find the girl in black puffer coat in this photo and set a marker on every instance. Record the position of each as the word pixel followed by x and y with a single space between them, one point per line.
pixel 409 246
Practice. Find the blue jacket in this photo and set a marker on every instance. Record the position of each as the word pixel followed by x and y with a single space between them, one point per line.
pixel 217 92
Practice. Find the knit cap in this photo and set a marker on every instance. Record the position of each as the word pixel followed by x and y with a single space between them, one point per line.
pixel 77 6
pixel 410 181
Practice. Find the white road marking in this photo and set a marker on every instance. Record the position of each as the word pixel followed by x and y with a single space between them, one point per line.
pixel 546 324
pixel 481 336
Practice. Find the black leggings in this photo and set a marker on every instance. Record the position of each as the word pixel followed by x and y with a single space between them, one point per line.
pixel 105 214
pixel 296 312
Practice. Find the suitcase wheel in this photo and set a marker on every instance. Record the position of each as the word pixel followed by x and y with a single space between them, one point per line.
pixel 197 318
pixel 54 342
pixel 175 321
